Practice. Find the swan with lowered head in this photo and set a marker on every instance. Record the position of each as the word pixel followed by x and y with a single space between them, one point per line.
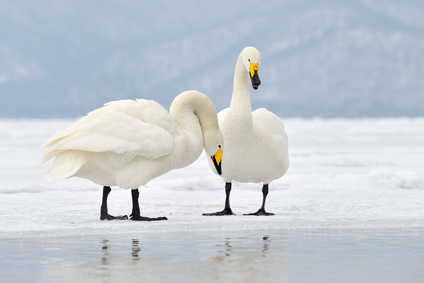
pixel 256 148
pixel 127 143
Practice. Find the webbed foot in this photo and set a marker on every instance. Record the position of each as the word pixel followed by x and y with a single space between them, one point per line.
pixel 226 211
pixel 260 212
pixel 138 217
pixel 107 216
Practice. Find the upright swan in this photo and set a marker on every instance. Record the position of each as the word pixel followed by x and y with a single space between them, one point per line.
pixel 256 149
pixel 127 143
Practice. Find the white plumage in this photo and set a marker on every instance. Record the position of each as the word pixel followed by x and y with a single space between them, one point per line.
pixel 256 146
pixel 129 142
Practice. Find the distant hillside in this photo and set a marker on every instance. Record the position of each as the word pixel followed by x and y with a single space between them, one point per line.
pixel 319 58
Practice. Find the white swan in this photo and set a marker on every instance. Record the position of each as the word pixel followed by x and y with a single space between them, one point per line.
pixel 129 142
pixel 256 149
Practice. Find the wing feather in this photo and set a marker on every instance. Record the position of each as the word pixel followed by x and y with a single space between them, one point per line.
pixel 127 127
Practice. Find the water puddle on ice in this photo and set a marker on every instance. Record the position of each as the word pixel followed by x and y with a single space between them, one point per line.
pixel 242 256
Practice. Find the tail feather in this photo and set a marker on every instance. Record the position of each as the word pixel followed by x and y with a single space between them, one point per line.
pixel 49 155
pixel 66 164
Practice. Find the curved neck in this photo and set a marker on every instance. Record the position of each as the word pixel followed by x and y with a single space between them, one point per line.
pixel 240 101
pixel 191 108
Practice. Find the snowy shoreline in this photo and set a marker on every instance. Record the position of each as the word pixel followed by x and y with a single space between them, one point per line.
pixel 344 174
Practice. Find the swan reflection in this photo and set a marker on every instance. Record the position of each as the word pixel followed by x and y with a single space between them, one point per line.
pixel 254 249
pixel 106 254
pixel 243 257
pixel 135 249
pixel 105 247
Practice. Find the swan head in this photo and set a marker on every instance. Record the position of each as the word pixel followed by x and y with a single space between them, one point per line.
pixel 217 160
pixel 213 143
pixel 252 59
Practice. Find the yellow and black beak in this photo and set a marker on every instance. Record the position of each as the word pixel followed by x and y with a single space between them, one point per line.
pixel 216 159
pixel 254 75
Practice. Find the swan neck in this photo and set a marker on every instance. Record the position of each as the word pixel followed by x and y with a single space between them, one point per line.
pixel 192 108
pixel 241 88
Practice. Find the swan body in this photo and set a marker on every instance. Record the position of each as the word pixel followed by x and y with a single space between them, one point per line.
pixel 257 154
pixel 127 143
pixel 256 145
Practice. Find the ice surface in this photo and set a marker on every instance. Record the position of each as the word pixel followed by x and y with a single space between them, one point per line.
pixel 350 209
pixel 365 173
pixel 227 256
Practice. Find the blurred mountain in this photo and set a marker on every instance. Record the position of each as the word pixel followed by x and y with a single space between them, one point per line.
pixel 324 58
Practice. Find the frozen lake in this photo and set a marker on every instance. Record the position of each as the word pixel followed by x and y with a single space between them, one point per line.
pixel 232 256
pixel 350 208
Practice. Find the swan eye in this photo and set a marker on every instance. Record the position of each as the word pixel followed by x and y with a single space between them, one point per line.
pixel 248 60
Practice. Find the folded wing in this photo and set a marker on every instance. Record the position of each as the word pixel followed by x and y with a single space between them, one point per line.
pixel 127 127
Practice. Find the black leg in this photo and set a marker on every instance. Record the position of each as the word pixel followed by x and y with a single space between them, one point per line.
pixel 261 210
pixel 227 209
pixel 104 215
pixel 135 215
